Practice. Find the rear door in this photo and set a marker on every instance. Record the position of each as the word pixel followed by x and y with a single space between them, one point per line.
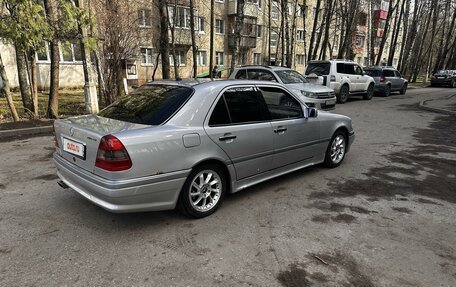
pixel 390 77
pixel 239 124
pixel 399 80
pixel 295 137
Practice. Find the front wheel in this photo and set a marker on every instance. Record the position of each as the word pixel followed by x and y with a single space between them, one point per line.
pixel 343 94
pixel 335 153
pixel 203 191
pixel 370 92
pixel 453 84
pixel 404 89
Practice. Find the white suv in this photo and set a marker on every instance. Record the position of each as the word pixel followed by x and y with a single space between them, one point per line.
pixel 344 76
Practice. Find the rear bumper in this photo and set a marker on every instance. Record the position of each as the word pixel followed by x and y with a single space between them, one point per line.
pixel 150 193
pixel 437 82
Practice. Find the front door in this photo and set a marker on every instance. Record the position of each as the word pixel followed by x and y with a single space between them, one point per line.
pixel 239 125
pixel 295 137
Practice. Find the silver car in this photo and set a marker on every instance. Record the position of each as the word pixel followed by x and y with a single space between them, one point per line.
pixel 314 96
pixel 387 80
pixel 186 144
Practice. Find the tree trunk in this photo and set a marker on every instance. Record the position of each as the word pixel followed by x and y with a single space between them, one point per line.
pixel 385 33
pixel 34 77
pixel 5 90
pixel 53 104
pixel 314 30
pixel 293 36
pixel 408 45
pixel 211 39
pixel 192 33
pixel 23 80
pixel 164 39
pixel 239 19
pixel 447 45
pixel 397 25
pixel 327 23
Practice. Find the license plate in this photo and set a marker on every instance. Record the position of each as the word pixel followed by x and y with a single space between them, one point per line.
pixel 331 102
pixel 74 147
pixel 440 77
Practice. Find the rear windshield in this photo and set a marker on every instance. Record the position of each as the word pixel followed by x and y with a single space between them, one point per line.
pixel 318 69
pixel 291 77
pixel 149 105
pixel 373 73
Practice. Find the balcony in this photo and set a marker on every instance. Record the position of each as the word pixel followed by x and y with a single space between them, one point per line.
pixel 250 9
pixel 380 14
pixel 246 42
pixel 182 37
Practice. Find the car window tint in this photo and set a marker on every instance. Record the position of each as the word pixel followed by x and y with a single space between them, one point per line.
pixel 291 77
pixel 241 74
pixel 397 74
pixel 388 73
pixel 318 69
pixel 373 73
pixel 349 69
pixel 281 105
pixel 149 104
pixel 262 75
pixel 358 70
pixel 244 105
pixel 341 68
pixel 220 114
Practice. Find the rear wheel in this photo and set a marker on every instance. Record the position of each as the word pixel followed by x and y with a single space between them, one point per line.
pixel 335 153
pixel 343 94
pixel 387 91
pixel 453 84
pixel 404 89
pixel 370 92
pixel 203 191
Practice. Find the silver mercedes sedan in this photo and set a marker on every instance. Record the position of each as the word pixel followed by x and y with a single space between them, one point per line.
pixel 186 144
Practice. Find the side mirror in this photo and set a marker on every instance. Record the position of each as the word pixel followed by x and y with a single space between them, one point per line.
pixel 311 112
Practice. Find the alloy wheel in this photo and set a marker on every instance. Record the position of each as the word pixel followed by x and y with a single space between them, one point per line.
pixel 205 190
pixel 337 149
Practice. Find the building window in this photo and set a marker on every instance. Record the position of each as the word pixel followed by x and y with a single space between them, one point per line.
pixel 43 55
pixel 274 37
pixel 200 24
pixel 201 58
pixel 360 41
pixel 243 58
pixel 314 12
pixel 257 58
pixel 300 59
pixel 179 18
pixel 301 10
pixel 220 1
pixel 144 18
pixel 219 58
pixel 259 31
pixel 219 26
pixel 146 56
pixel 300 35
pixel 181 58
pixel 274 10
pixel 70 52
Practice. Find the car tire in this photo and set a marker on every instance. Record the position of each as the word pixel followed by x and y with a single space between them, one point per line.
pixel 369 93
pixel 403 89
pixel 337 148
pixel 387 91
pixel 343 94
pixel 453 84
pixel 205 182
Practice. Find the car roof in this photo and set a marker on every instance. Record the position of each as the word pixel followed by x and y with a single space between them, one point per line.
pixel 273 68
pixel 379 68
pixel 216 83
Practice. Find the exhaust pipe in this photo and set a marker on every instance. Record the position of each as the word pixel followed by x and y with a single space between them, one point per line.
pixel 62 184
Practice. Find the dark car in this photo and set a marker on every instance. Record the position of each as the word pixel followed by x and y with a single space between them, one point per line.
pixel 444 78
pixel 387 80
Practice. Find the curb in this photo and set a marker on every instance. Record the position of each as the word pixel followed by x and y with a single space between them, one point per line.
pixel 26 131
pixel 422 106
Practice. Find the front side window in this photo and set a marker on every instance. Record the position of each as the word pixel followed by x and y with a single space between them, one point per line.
pixel 397 74
pixel 149 105
pixel 388 73
pixel 281 105
pixel 359 71
pixel 241 75
pixel 261 75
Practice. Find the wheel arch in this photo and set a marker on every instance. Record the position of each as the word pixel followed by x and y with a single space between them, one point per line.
pixel 220 163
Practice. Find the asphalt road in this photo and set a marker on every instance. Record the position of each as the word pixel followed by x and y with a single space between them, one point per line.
pixel 385 217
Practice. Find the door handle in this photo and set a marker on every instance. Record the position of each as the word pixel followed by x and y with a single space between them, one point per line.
pixel 227 137
pixel 280 130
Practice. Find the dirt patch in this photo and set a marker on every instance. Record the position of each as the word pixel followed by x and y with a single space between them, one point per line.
pixel 2 186
pixel 294 276
pixel 338 207
pixel 440 132
pixel 427 201
pixel 51 176
pixel 337 261
pixel 280 188
pixel 318 277
pixel 321 218
pixel 402 209
pixel 340 218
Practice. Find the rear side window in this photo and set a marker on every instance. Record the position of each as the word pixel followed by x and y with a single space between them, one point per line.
pixel 388 73
pixel 238 106
pixel 318 69
pixel 340 68
pixel 149 105
pixel 241 75
pixel 257 74
pixel 349 69
pixel 397 74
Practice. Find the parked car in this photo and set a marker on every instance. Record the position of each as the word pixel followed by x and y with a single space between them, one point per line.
pixel 187 144
pixel 322 98
pixel 344 76
pixel 387 80
pixel 444 78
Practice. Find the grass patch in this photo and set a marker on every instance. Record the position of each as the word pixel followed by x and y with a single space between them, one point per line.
pixel 71 103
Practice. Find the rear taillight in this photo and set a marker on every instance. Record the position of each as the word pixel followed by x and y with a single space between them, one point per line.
pixel 382 79
pixel 112 155
pixel 333 78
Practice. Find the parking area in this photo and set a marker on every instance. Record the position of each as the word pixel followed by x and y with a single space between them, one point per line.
pixel 385 217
